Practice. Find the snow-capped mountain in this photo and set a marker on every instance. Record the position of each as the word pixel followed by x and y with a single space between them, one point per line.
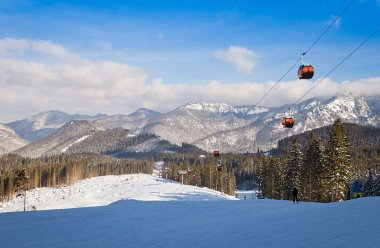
pixel 264 132
pixel 9 140
pixel 243 128
pixel 192 122
pixel 41 125
pixel 70 134
pixel 134 121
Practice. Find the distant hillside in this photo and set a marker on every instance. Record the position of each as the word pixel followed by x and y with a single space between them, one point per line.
pixel 100 142
pixel 9 140
pixel 43 124
pixel 209 126
pixel 133 122
pixel 60 141
pixel 359 137
pixel 149 146
pixel 90 137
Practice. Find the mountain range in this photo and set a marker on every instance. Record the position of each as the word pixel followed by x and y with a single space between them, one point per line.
pixel 208 126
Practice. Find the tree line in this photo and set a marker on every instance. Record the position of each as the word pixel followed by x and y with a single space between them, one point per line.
pixel 19 173
pixel 201 172
pixel 323 171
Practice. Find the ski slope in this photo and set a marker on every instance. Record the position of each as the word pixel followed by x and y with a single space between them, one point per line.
pixel 260 223
pixel 147 211
pixel 100 191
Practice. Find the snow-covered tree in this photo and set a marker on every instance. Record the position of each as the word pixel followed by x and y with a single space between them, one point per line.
pixel 311 170
pixel 293 169
pixel 336 183
pixel 371 186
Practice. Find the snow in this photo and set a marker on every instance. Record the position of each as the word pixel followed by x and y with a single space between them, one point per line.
pixel 259 223
pixel 158 165
pixel 258 110
pixel 212 107
pixel 100 191
pixel 75 142
pixel 249 194
pixel 147 211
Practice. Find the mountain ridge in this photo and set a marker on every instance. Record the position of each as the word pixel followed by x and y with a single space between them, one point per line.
pixel 246 128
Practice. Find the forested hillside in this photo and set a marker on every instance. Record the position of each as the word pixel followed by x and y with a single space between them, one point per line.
pixel 323 164
pixel 18 173
pixel 358 136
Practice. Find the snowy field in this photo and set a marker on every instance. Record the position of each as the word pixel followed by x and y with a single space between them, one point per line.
pixel 261 223
pixel 100 191
pixel 151 212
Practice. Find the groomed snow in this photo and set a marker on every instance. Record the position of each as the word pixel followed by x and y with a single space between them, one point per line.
pixel 100 191
pixel 260 223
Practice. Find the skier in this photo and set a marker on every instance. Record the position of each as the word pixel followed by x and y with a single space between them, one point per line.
pixel 357 190
pixel 295 193
pixel 245 197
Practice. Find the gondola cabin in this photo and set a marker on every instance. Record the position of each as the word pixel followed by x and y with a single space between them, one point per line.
pixel 305 72
pixel 219 168
pixel 288 122
pixel 216 153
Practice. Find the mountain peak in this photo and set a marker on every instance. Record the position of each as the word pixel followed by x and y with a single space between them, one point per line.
pixel 144 113
pixel 207 106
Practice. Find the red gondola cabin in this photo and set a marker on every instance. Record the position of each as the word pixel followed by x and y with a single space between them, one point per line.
pixel 305 72
pixel 216 153
pixel 288 122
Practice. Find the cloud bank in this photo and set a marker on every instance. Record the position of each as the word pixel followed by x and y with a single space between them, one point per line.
pixel 241 58
pixel 40 75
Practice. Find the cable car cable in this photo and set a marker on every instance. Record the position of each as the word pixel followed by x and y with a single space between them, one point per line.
pixel 295 63
pixel 335 67
pixel 331 24
pixel 312 45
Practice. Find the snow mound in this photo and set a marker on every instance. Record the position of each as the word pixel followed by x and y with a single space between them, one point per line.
pixel 100 191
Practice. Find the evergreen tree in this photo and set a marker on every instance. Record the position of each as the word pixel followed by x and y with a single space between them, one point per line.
pixel 293 169
pixel 311 171
pixel 21 180
pixel 277 165
pixel 371 186
pixel 339 165
pixel 376 186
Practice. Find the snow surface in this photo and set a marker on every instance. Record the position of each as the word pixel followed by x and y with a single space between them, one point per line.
pixel 249 194
pixel 260 223
pixel 100 191
pixel 75 142
pixel 212 107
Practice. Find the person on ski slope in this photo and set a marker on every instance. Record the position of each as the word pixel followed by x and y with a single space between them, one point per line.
pixel 295 194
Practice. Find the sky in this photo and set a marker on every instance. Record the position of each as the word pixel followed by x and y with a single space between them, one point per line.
pixel 114 57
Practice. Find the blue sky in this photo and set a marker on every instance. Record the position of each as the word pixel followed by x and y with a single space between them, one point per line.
pixel 178 41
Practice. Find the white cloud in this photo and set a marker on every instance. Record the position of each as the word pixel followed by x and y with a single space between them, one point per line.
pixel 77 85
pixel 22 47
pixel 243 59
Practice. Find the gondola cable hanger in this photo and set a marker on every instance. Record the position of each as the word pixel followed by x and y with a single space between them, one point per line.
pixel 304 53
pixel 334 68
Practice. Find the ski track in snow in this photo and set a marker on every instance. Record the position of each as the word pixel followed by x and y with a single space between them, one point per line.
pixel 75 142
pixel 100 191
